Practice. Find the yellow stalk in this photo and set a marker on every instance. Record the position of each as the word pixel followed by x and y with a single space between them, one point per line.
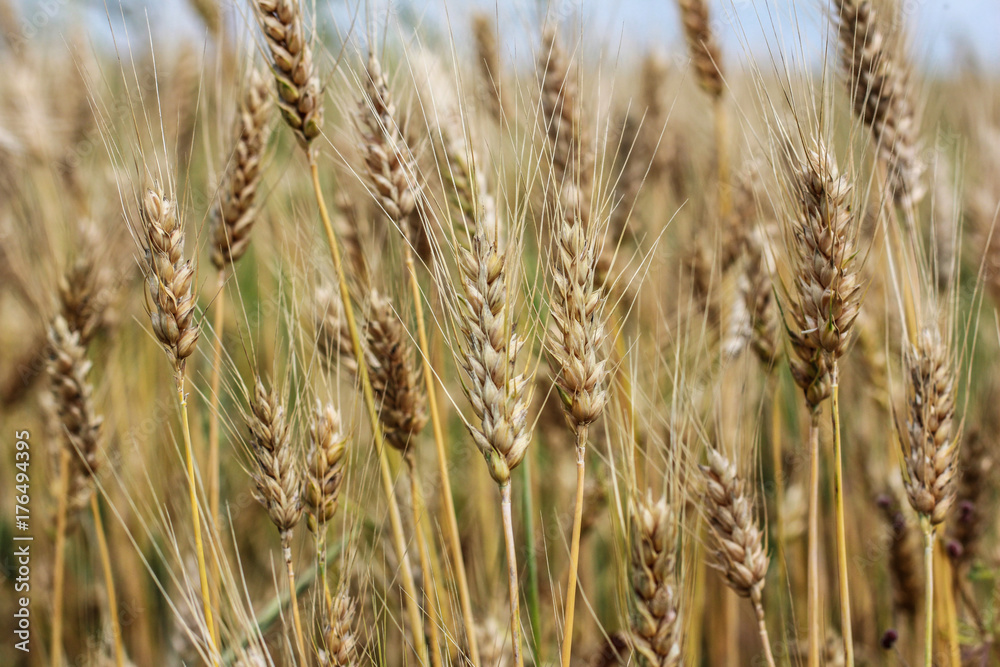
pixel 430 583
pixel 286 550
pixel 196 518
pixel 574 552
pixel 812 586
pixel 838 491
pixel 60 557
pixel 102 547
pixel 515 615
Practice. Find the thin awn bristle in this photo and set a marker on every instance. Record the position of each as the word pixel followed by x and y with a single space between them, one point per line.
pixel 299 95
pixel 930 437
pixel 706 56
pixel 277 475
pixel 68 368
pixel 657 626
pixel 169 277
pixel 235 213
pixel 881 95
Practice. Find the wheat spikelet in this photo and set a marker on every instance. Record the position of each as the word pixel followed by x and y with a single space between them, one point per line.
pixel 758 297
pixel 881 96
pixel 168 277
pixel 827 286
pixel 705 54
pixel 299 95
pixel 68 368
pixel 235 213
pixel 572 161
pixel 488 57
pixel 277 476
pixel 85 289
pixel 325 464
pixel 397 387
pixel 210 13
pixel 333 338
pixel 930 436
pixel 388 163
pixel 490 347
pixel 656 626
pixel 740 553
pixel 339 633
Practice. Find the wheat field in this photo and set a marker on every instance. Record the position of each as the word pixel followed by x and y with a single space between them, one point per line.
pixel 337 334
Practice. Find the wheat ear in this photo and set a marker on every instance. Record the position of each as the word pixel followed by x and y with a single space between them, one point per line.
pixel 278 481
pixel 881 96
pixel 656 629
pixel 930 441
pixel 740 552
pixel 299 95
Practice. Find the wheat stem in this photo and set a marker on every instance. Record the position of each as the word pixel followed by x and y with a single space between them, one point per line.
pixel 838 490
pixel 574 552
pixel 812 576
pixel 929 594
pixel 195 514
pixel 286 551
pixel 409 587
pixel 451 522
pixel 102 548
pixel 430 590
pixel 508 534
pixel 60 557
pixel 779 476
pixel 531 560
pixel 762 629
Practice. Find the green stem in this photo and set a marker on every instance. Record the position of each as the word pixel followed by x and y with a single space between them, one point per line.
pixel 531 558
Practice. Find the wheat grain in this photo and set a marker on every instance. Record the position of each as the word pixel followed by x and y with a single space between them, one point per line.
pixel 235 212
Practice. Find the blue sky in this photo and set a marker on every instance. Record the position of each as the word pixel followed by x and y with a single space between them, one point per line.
pixel 944 31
